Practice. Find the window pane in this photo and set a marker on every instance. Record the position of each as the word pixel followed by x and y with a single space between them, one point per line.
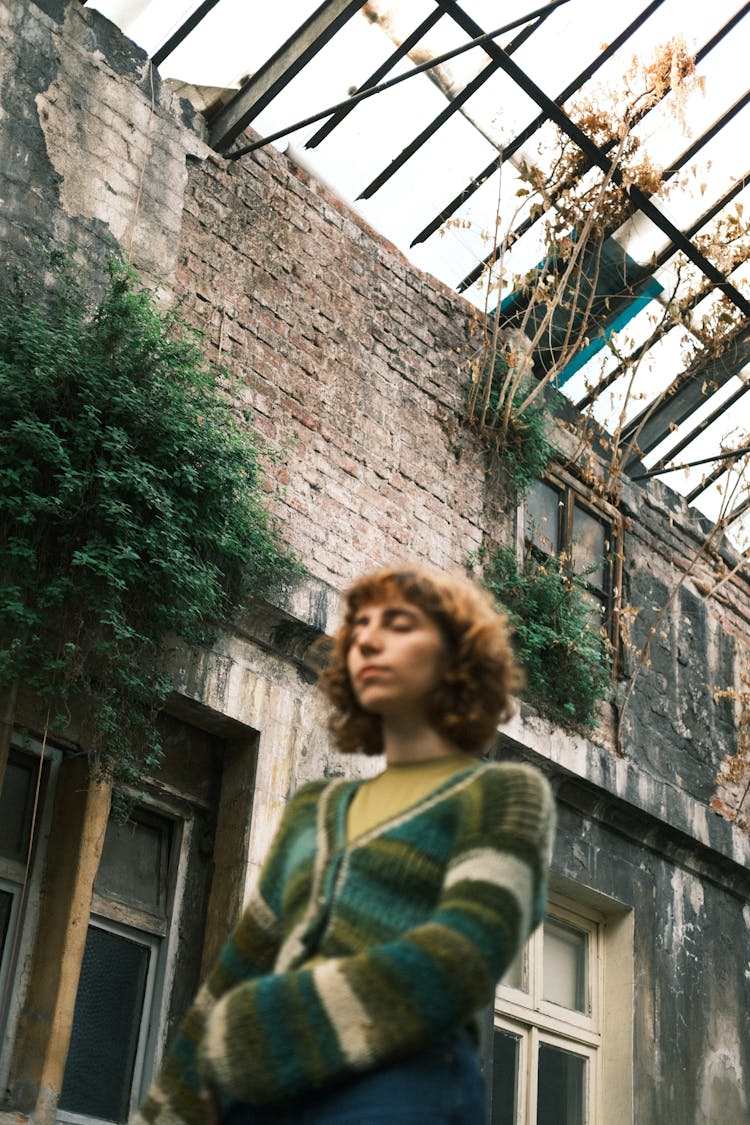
pixel 505 1049
pixel 564 965
pixel 15 808
pixel 543 517
pixel 589 545
pixel 560 1087
pixel 6 905
pixel 134 863
pixel 515 975
pixel 106 1025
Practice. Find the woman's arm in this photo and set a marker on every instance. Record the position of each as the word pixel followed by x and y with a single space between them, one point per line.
pixel 283 1034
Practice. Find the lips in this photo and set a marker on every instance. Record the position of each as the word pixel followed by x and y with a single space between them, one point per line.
pixel 370 671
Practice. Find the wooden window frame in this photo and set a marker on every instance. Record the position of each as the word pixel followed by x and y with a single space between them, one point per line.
pixel 575 493
pixel 603 1034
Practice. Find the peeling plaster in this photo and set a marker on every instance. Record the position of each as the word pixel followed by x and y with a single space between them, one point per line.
pixel 721 1082
pixel 117 158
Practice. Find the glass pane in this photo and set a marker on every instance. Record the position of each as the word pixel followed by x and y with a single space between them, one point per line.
pixel 564 965
pixel 15 808
pixel 561 1087
pixel 6 908
pixel 6 946
pixel 6 905
pixel 515 975
pixel 543 517
pixel 134 863
pixel 106 1025
pixel 505 1049
pixel 589 545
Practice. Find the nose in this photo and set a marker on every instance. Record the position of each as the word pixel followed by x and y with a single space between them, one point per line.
pixel 369 638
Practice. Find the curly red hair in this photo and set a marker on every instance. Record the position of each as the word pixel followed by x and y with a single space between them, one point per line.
pixel 475 693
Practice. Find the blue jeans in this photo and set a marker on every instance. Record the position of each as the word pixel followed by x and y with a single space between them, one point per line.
pixel 440 1085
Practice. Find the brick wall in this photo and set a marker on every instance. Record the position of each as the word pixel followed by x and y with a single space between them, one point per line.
pixel 354 364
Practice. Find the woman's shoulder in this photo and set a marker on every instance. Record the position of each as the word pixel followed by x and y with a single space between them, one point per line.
pixel 310 793
pixel 513 782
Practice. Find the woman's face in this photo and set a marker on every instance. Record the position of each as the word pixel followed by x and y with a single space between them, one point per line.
pixel 396 657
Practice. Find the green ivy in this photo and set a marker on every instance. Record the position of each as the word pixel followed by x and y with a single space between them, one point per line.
pixel 564 655
pixel 524 447
pixel 130 502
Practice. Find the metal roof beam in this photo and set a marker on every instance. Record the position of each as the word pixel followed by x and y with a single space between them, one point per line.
pixel 371 91
pixel 648 271
pixel 666 464
pixel 682 397
pixel 639 199
pixel 513 146
pixel 279 70
pixel 672 170
pixel 455 103
pixel 607 148
pixel 183 31
pixel 740 510
pixel 401 51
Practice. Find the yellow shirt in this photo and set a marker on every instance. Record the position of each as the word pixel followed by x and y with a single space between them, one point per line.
pixel 397 788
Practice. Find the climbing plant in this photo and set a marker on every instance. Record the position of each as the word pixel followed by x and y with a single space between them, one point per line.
pixel 130 504
pixel 525 447
pixel 536 320
pixel 560 645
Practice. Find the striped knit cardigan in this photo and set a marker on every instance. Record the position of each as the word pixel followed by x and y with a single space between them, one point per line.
pixel 349 956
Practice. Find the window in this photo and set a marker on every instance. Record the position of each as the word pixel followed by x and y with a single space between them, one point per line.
pixel 117 996
pixel 559 520
pixel 16 818
pixel 556 1043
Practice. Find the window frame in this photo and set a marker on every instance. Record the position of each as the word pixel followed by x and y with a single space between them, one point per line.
pixel 155 944
pixel 554 1018
pixel 603 1035
pixel 23 880
pixel 158 932
pixel 575 494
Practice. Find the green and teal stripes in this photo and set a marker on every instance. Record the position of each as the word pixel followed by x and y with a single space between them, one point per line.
pixel 350 956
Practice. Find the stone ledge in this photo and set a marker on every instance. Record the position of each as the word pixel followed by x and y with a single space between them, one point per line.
pixel 622 780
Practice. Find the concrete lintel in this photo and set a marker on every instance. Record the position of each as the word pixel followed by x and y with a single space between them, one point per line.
pixel 625 781
pixel 263 87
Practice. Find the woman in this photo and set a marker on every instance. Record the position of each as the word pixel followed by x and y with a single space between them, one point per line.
pixel 388 909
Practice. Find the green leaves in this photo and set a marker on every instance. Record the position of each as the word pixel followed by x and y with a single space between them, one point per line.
pixel 130 500
pixel 560 643
pixel 520 439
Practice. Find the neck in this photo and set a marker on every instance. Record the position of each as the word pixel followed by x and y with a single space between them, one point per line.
pixel 413 741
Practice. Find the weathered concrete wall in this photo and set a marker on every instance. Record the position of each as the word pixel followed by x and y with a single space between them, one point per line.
pixel 93 146
pixel 354 368
pixel 691 1016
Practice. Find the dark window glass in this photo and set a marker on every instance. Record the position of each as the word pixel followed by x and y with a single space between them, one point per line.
pixel 135 863
pixel 543 517
pixel 6 905
pixel 505 1049
pixel 589 546
pixel 16 803
pixel 106 1024
pixel 561 1087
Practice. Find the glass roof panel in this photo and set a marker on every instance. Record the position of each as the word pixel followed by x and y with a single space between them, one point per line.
pixel 634 390
pixel 705 443
pixel 235 39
